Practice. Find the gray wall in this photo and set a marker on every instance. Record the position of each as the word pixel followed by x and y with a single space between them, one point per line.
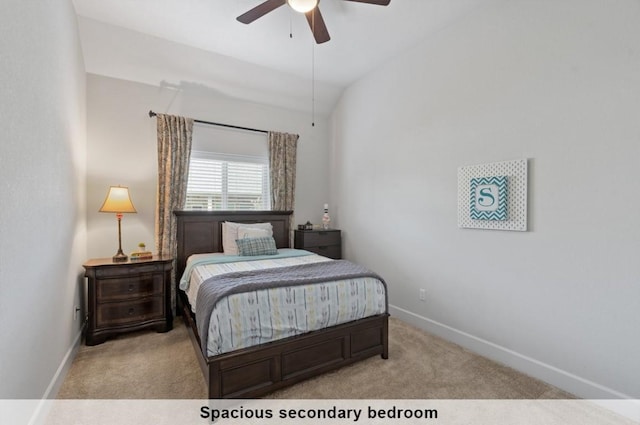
pixel 556 82
pixel 42 175
pixel 122 149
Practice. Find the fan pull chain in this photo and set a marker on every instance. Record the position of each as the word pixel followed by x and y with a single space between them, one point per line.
pixel 313 86
pixel 313 71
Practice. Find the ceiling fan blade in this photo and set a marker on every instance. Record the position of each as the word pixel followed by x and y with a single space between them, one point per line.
pixel 260 10
pixel 378 2
pixel 317 25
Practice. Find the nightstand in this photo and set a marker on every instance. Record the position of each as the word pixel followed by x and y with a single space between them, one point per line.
pixel 128 296
pixel 327 243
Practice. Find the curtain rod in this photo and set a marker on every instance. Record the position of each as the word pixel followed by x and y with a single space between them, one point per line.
pixel 153 114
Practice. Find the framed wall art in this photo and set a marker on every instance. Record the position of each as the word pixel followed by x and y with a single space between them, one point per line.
pixel 493 196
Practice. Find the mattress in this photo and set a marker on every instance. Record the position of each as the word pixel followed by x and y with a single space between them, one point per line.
pixel 264 315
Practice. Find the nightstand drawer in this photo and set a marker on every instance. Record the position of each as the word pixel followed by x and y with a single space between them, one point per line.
pixel 327 243
pixel 131 270
pixel 109 314
pixel 331 251
pixel 320 238
pixel 129 287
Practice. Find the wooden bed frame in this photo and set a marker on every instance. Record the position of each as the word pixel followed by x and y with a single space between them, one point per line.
pixel 255 371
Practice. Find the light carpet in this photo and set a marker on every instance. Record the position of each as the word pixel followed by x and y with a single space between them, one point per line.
pixel 148 365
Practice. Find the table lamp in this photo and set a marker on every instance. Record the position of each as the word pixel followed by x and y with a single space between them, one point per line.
pixel 119 202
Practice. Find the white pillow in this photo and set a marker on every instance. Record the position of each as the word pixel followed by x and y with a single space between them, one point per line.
pixel 230 234
pixel 252 232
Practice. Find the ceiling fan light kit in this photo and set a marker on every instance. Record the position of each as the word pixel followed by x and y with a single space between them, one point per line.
pixel 303 6
pixel 309 8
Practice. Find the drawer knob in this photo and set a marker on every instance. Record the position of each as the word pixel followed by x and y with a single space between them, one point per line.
pixel 131 288
pixel 131 311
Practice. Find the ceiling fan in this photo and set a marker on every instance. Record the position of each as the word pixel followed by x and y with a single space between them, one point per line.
pixel 308 7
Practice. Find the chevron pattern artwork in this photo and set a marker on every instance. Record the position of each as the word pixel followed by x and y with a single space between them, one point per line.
pixel 488 198
pixel 484 206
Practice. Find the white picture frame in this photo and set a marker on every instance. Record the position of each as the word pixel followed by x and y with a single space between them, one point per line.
pixel 508 212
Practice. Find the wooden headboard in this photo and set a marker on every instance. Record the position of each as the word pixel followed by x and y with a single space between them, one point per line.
pixel 201 231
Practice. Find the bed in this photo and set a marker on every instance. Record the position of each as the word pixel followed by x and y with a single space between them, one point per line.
pixel 255 371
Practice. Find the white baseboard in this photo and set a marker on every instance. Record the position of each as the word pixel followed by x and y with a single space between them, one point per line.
pixel 61 373
pixel 573 384
pixel 56 382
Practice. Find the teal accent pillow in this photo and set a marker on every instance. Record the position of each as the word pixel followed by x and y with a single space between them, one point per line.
pixel 265 245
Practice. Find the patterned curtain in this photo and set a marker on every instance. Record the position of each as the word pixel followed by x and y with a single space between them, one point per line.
pixel 174 149
pixel 282 167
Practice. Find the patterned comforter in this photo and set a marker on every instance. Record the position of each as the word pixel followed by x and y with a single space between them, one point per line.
pixel 261 308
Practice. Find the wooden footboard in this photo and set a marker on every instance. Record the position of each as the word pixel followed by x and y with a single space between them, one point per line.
pixel 256 371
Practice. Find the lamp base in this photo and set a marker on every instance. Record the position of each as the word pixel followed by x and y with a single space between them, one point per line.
pixel 120 257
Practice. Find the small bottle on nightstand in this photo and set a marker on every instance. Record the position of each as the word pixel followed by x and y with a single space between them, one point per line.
pixel 325 217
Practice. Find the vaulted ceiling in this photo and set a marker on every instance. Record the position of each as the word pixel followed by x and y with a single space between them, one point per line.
pixel 272 60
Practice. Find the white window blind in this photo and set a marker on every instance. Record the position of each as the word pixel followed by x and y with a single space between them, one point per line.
pixel 220 181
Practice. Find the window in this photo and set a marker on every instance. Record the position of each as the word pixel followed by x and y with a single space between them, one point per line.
pixel 227 182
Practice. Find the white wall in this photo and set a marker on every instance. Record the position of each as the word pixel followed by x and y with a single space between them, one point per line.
pixel 122 149
pixel 556 82
pixel 42 175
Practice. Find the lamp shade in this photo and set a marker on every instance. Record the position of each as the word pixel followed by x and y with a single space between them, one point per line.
pixel 118 201
pixel 303 6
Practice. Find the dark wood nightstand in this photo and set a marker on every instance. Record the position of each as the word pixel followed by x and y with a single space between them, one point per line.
pixel 324 242
pixel 128 296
